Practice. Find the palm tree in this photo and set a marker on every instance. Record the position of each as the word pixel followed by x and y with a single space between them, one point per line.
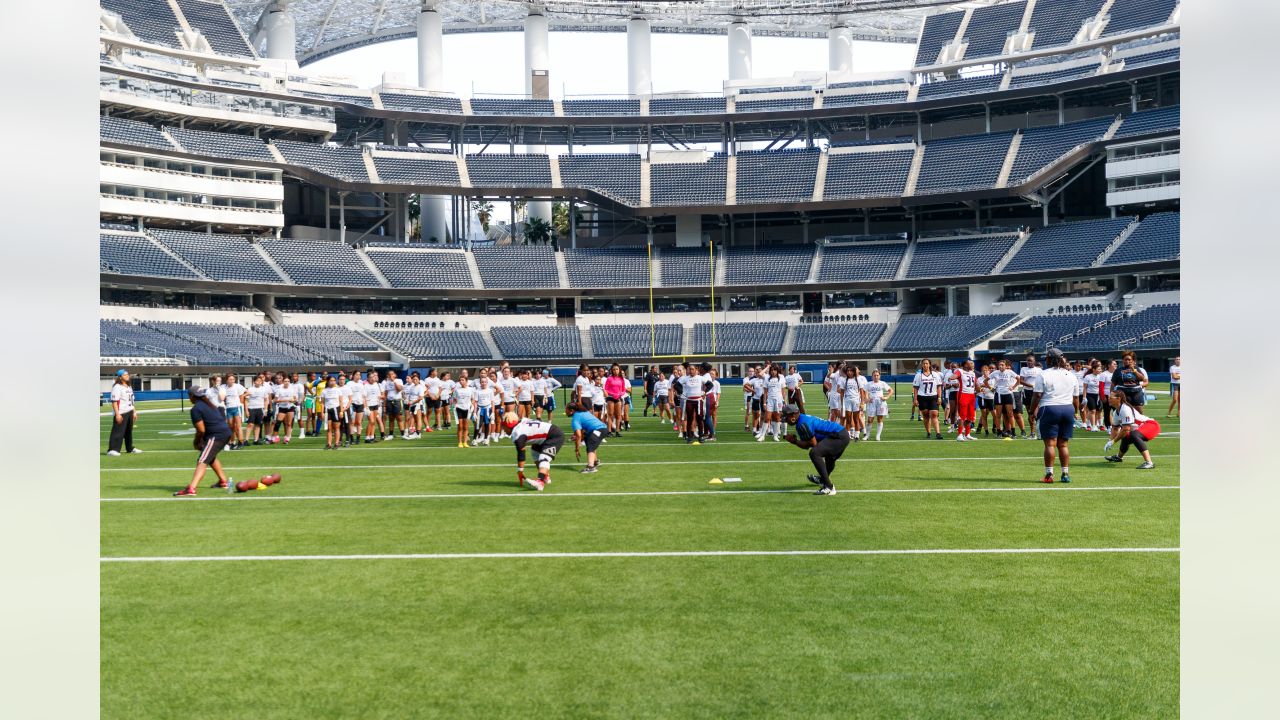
pixel 537 230
pixel 484 212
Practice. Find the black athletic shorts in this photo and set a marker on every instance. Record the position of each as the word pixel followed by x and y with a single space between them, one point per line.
pixel 927 402
pixel 551 445
pixel 286 409
pixel 592 440
pixel 373 409
pixel 527 405
pixel 1004 399
pixel 986 403
pixel 1027 396
pixel 660 400
pixel 393 408
pixel 333 415
pixel 212 446
pixel 462 414
pixel 612 400
pixel 357 409
pixel 256 416
pixel 755 404
pixel 1092 401
pixel 540 401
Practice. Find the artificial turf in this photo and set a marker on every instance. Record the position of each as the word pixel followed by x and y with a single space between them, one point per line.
pixel 1067 635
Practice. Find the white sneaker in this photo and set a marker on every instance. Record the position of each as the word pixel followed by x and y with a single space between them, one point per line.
pixel 960 438
pixel 777 438
pixel 135 451
pixel 760 437
pixel 113 453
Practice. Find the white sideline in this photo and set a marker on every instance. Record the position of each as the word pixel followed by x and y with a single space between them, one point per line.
pixel 659 554
pixel 640 493
pixel 139 412
pixel 724 463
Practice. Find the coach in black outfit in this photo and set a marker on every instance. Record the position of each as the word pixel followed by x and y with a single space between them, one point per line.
pixel 650 379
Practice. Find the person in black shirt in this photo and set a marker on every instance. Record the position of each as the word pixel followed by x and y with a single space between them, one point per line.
pixel 1131 379
pixel 212 434
pixel 650 379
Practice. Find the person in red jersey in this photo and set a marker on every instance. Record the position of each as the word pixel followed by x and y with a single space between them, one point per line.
pixel 966 400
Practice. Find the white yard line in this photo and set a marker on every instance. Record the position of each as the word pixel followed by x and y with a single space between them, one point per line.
pixel 448 496
pixel 653 554
pixel 139 412
pixel 722 463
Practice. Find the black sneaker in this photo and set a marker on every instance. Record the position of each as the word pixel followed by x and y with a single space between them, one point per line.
pixel 938 437
pixel 1114 458
pixel 814 479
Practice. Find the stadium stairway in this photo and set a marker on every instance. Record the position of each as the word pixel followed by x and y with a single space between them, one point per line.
pixel 1013 250
pixel 369 167
pixel 820 177
pixel 646 192
pixel 373 268
pixel 271 263
pixel 1115 244
pixel 731 180
pixel 815 266
pixel 906 260
pixel 178 258
pixel 476 280
pixel 588 350
pixel 494 352
pixel 722 266
pixel 655 271
pixel 561 269
pixel 554 161
pixel 686 341
pixel 1002 180
pixel 914 174
pixel 789 340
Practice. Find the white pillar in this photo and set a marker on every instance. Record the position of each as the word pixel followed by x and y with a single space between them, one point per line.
pixel 739 51
pixel 536 57
pixel 280 36
pixel 983 297
pixel 639 64
pixel 430 49
pixel 840 50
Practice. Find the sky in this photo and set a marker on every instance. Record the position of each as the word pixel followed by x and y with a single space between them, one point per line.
pixel 596 63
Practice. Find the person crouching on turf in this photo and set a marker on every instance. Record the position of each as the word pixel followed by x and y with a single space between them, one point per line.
pixel 588 430
pixel 1130 427
pixel 212 434
pixel 542 437
pixel 825 441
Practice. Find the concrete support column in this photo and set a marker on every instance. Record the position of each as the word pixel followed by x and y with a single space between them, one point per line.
pixel 639 63
pixel 435 209
pixel 739 50
pixel 981 298
pixel 537 58
pixel 278 26
pixel 840 50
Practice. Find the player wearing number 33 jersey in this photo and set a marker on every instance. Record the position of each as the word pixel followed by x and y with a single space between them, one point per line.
pixel 542 437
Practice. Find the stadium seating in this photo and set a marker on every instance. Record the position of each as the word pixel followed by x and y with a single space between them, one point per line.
pixel 150 21
pixel 1159 120
pixel 1056 22
pixel 959 256
pixel 917 333
pixel 1052 76
pixel 744 338
pixel 838 338
pixel 990 26
pixel 939 30
pixel 334 342
pixel 1041 146
pixel 429 170
pixel 221 257
pixel 605 106
pixel 435 344
pixel 518 170
pixel 861 261
pixel 963 163
pixel 1036 333
pixel 409 267
pixel 682 106
pixel 867 174
pixel 512 106
pixel 619 341
pixel 1128 331
pixel 1152 58
pixel 607 267
pixel 963 86
pixel 1157 238
pixel 361 100
pixel 777 175
pixel 154 343
pixel 507 266
pixel 421 103
pixel 314 262
pixel 221 145
pixel 137 255
pixel 214 22
pixel 561 341
pixel 1067 245
pixel 1129 15
pixel 686 266
pixel 238 340
pixel 131 132
pixel 772 265
pixel 614 174
pixel 343 163
pixel 830 100
pixel 697 183
pixel 769 104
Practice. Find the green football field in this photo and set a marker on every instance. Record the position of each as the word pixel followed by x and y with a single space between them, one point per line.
pixel 415 579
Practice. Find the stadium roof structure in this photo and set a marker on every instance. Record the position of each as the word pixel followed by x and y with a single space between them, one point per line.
pixel 329 27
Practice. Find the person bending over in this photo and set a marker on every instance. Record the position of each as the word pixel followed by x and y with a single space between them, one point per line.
pixel 212 434
pixel 825 441
pixel 587 430
pixel 542 437
pixel 1131 428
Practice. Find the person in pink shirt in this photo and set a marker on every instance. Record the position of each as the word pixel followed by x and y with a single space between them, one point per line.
pixel 615 391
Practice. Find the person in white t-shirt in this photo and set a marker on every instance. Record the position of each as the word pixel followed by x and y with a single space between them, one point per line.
pixel 795 387
pixel 775 388
pixel 447 388
pixel 1006 382
pixel 879 393
pixel 257 399
pixel 484 402
pixel 233 394
pixel 1131 428
pixel 333 400
pixel 1055 409
pixel 411 399
pixel 926 388
pixel 286 407
pixel 1105 388
pixel 627 387
pixel 1027 377
pixel 747 389
pixel 987 401
pixel 122 415
pixel 393 389
pixel 541 391
pixel 464 407
pixel 1093 399
pixel 431 398
pixel 833 385
pixel 1175 389
pixel 662 398
pixel 712 404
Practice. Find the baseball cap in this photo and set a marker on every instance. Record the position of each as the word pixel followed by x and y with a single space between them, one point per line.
pixel 1053 353
pixel 196 392
pixel 790 409
pixel 121 372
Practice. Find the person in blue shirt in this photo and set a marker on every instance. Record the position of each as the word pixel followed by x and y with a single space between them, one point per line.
pixel 825 441
pixel 212 434
pixel 587 429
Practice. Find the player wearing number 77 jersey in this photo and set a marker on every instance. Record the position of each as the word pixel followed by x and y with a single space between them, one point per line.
pixel 966 400
pixel 542 437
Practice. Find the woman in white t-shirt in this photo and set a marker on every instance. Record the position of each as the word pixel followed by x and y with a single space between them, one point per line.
pixel 926 390
pixel 879 393
pixel 257 398
pixel 1091 383
pixel 1055 411
pixel 464 407
pixel 123 415
pixel 1175 388
pixel 233 396
pixel 1131 428
pixel 332 399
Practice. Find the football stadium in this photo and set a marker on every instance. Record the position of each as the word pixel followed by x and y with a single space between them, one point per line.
pixel 349 331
